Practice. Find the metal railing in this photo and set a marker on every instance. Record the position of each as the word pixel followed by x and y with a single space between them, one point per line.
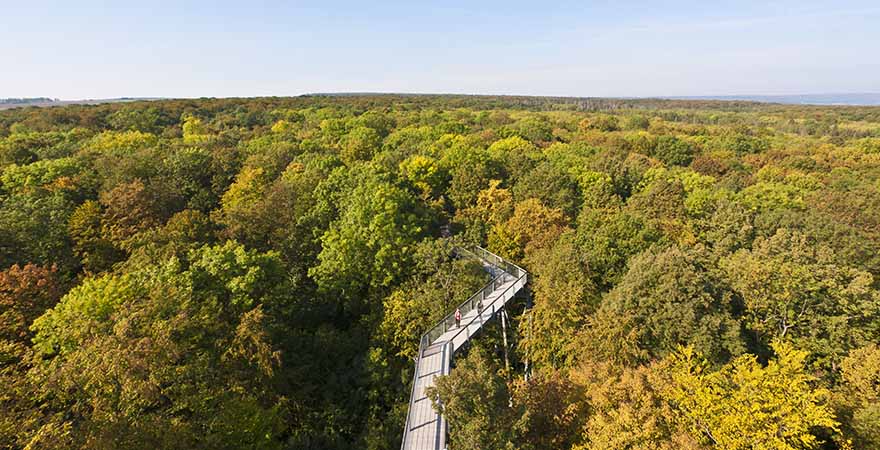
pixel 495 260
pixel 475 301
pixel 516 285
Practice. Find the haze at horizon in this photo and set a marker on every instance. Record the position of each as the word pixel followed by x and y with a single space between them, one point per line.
pixel 222 49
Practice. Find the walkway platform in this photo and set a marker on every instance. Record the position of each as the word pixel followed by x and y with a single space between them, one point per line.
pixel 425 428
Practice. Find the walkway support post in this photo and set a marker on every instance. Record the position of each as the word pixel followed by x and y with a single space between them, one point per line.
pixel 504 319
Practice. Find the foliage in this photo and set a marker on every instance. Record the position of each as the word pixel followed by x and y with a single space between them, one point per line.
pixel 518 155
pixel 610 240
pixel 360 144
pixel 256 273
pixel 422 301
pixel 673 151
pixel 369 245
pixel 132 208
pixel 792 289
pixel 531 227
pixel 669 298
pixel 548 413
pixel 858 398
pixel 628 408
pixel 474 401
pixel 744 405
pixel 564 296
pixel 552 186
pixel 96 252
pixel 25 293
pixel 16 178
pixel 32 229
pixel 129 356
pixel 423 172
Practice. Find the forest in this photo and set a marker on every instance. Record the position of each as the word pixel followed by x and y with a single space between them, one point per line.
pixel 256 273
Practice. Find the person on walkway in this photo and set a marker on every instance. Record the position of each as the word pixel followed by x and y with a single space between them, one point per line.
pixel 457 317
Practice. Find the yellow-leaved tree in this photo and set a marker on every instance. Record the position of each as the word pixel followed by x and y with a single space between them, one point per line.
pixel 744 405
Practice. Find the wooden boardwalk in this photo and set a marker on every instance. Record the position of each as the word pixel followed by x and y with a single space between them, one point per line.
pixel 425 428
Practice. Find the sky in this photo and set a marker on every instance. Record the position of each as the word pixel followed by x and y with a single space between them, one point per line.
pixel 89 49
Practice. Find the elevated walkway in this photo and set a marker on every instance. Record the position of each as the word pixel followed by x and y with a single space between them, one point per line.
pixel 426 429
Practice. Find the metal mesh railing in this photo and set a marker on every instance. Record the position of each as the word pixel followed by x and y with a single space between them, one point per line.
pixel 508 272
pixel 501 294
pixel 495 260
pixel 475 301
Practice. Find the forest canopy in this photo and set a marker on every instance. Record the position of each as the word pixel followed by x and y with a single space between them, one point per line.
pixel 256 273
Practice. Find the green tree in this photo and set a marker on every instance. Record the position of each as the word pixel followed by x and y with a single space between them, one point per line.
pixel 517 155
pixel 792 289
pixel 564 296
pixel 95 251
pixel 534 128
pixel 33 229
pixel 671 297
pixel 17 178
pixel 601 122
pixel 470 170
pixel 360 144
pixel 438 286
pixel 674 151
pixel 170 354
pixel 369 245
pixel 190 173
pixel 610 240
pixel 424 174
pixel 241 207
pixel 474 399
pixel 552 186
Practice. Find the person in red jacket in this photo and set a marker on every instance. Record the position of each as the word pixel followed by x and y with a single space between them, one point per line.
pixel 457 317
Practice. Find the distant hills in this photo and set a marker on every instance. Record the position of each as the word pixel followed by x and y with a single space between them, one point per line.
pixel 860 99
pixel 26 101
pixel 7 103
pixel 853 99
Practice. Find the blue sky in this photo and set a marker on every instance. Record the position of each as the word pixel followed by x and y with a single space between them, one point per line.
pixel 157 48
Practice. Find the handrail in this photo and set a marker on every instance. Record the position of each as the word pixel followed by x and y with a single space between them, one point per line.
pixel 425 339
pixel 412 391
pixel 479 315
pixel 465 307
pixel 495 260
pixel 468 305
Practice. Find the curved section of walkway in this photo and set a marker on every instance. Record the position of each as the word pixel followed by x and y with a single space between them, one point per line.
pixel 426 429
